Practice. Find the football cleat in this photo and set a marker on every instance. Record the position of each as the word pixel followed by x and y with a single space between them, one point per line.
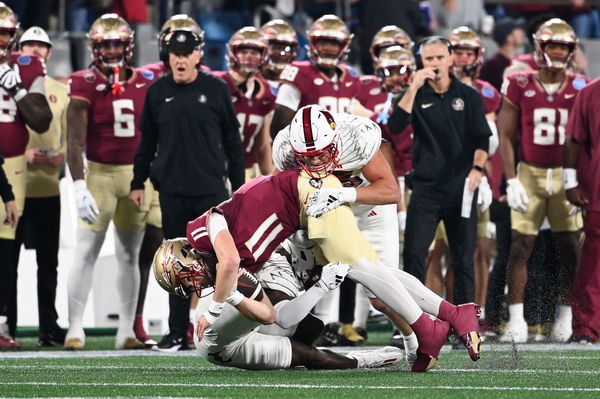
pixel 348 331
pixel 74 344
pixel 465 322
pixel 382 357
pixel 6 341
pixel 55 337
pixel 172 343
pixel 562 329
pixel 128 343
pixel 581 339
pixel 516 332
pixel 430 345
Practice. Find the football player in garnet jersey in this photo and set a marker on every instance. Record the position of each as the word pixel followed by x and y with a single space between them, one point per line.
pixel 22 102
pixel 247 53
pixel 233 339
pixel 283 45
pixel 536 104
pixel 324 80
pixel 103 118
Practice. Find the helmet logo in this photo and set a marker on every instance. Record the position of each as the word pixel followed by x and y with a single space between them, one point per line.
pixel 180 38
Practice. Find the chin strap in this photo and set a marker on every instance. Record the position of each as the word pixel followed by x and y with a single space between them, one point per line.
pixel 117 87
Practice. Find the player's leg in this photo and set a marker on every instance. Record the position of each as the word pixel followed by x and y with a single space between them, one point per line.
pixel 481 259
pixel 434 278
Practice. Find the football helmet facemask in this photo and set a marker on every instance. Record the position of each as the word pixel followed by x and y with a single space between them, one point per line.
pixel 557 31
pixel 8 24
pixel 389 35
pixel 176 23
pixel 328 27
pixel 283 44
pixel 391 60
pixel 247 38
pixel 111 31
pixel 313 135
pixel 179 271
pixel 465 38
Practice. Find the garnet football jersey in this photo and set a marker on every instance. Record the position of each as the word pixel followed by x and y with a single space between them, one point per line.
pixel 489 95
pixel 402 143
pixel 316 88
pixel 13 133
pixel 251 112
pixel 370 94
pixel 543 116
pixel 113 134
pixel 260 215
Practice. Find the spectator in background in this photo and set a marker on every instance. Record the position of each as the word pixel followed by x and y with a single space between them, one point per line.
pixel 510 38
pixel 448 14
pixel 185 110
pixel 41 216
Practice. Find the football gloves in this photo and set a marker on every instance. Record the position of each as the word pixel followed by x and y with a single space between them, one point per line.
pixel 327 199
pixel 484 198
pixel 10 80
pixel 332 276
pixel 86 204
pixel 516 195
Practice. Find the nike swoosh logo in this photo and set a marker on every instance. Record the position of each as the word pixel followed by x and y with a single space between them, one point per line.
pixel 348 84
pixel 567 96
pixel 169 99
pixel 424 106
pixel 18 172
pixel 138 85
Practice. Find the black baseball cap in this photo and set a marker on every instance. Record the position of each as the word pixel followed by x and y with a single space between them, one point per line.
pixel 182 42
pixel 504 28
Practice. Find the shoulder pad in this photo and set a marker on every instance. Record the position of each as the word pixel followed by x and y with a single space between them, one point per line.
pixel 360 139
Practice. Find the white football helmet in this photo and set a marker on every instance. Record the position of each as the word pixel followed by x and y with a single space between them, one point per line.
pixel 312 134
pixel 179 270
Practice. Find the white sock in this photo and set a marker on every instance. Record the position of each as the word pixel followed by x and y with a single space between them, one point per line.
pixel 427 300
pixel 515 312
pixel 564 313
pixel 382 282
pixel 127 249
pixel 411 342
pixel 81 275
pixel 482 315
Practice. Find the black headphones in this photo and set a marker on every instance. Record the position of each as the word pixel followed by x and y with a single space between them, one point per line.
pixel 429 40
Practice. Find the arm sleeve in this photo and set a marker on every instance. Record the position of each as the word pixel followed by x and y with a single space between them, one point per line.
pixel 288 96
pixel 230 129
pixel 148 144
pixel 5 187
pixel 399 119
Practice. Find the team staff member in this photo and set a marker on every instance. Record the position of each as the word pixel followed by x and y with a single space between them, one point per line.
pixel 451 138
pixel 190 135
pixel 45 155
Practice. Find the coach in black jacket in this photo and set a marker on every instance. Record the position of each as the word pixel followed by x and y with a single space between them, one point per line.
pixel 451 138
pixel 190 148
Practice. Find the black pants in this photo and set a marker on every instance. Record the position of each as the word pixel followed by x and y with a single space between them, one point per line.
pixel 39 228
pixel 177 211
pixel 427 207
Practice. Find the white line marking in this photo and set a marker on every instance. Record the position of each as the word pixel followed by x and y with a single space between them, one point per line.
pixel 306 386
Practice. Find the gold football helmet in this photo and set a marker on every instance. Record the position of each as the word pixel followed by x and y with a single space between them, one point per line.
pixel 329 27
pixel 8 24
pixel 464 37
pixel 395 59
pixel 111 30
pixel 389 35
pixel 247 37
pixel 283 44
pixel 179 270
pixel 554 30
pixel 176 23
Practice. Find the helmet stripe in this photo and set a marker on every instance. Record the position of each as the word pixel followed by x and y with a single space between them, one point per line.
pixel 308 136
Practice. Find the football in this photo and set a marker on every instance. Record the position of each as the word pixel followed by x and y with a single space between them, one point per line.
pixel 248 285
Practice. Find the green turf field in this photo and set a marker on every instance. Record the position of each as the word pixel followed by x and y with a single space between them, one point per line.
pixel 537 371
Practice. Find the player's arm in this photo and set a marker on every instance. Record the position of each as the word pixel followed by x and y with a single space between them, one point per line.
pixel 35 111
pixel 263 147
pixel 261 311
pixel 508 118
pixel 286 104
pixel 494 140
pixel 574 192
pixel 383 189
pixel 77 121
pixel 282 117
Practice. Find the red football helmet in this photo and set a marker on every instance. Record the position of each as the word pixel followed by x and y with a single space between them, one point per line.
pixel 313 134
pixel 8 24
pixel 111 30
pixel 328 27
pixel 283 44
pixel 179 270
pixel 247 37
pixel 558 31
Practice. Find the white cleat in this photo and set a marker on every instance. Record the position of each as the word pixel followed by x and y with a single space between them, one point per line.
pixel 382 357
pixel 75 339
pixel 516 332
pixel 562 330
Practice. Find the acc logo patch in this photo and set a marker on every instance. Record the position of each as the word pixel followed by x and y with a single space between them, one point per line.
pixel 487 92
pixel 52 98
pixel 318 81
pixel 579 83
pixel 529 93
pixel 522 80
pixel 316 183
pixel 147 74
pixel 24 60
pixel 101 87
pixel 458 104
pixel 375 91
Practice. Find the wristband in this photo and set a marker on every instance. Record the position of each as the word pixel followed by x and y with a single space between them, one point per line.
pixel 214 311
pixel 19 95
pixel 79 186
pixel 479 169
pixel 235 298
pixel 570 178
pixel 348 193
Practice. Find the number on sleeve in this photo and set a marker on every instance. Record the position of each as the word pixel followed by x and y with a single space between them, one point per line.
pixel 124 122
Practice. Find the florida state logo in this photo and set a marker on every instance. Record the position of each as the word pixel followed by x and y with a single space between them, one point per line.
pixel 316 183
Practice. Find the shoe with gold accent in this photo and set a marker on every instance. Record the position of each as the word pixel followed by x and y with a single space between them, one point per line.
pixel 74 344
pixel 348 331
pixel 129 343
